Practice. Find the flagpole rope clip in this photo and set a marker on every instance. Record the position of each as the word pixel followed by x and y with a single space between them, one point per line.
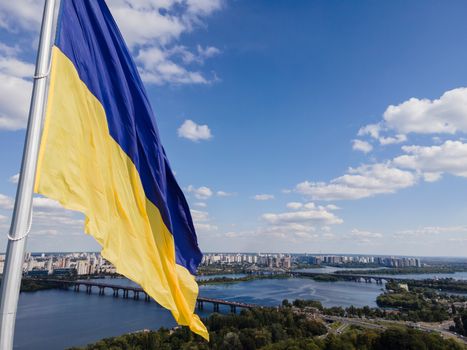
pixel 43 75
pixel 11 238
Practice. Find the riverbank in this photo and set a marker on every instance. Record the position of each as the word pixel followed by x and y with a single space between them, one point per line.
pixel 287 327
pixel 227 280
pixel 408 270
pixel 34 285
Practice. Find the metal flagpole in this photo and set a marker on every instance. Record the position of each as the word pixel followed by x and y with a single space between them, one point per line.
pixel 20 223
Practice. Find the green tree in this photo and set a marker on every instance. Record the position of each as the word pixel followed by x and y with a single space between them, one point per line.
pixel 231 341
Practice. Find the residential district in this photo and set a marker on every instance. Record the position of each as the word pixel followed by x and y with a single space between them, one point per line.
pixel 89 263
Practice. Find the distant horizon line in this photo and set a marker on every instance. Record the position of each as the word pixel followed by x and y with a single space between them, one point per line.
pixel 289 253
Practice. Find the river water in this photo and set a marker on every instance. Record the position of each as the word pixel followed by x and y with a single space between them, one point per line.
pixel 57 319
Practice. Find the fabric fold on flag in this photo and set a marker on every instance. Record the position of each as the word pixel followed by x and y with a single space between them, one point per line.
pixel 101 155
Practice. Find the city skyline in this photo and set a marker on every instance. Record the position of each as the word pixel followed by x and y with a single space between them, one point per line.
pixel 92 263
pixel 350 140
pixel 205 253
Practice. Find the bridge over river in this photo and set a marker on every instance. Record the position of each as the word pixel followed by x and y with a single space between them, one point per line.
pixel 135 292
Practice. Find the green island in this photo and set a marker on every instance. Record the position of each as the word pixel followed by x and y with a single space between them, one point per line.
pixel 444 284
pixel 224 280
pixel 220 269
pixel 305 265
pixel 294 326
pixel 34 285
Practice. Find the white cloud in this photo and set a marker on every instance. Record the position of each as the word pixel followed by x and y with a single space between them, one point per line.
pixel 432 177
pixel 430 230
pixel 56 222
pixel 160 60
pixel 21 14
pixel 301 224
pixel 370 129
pixel 294 205
pixel 224 194
pixel 59 218
pixel 187 56
pixel 363 237
pixel 15 74
pixel 328 236
pixel 164 20
pixel 364 181
pixel 362 146
pixel 203 7
pixel 14 179
pixel 316 215
pixel 432 161
pixel 356 233
pixel 460 240
pixel 294 226
pixel 233 234
pixel 290 232
pixel 446 115
pixel 194 132
pixel 43 203
pixel 6 202
pixel 152 29
pixel 374 130
pixel 310 205
pixel 202 192
pixel 46 232
pixel 9 51
pixel 205 227
pixel 39 203
pixel 15 67
pixel 399 138
pixel 437 139
pixel 15 92
pixel 158 28
pixel 200 204
pixel 48 218
pixel 201 220
pixel 199 216
pixel 158 66
pixel 206 52
pixel 263 197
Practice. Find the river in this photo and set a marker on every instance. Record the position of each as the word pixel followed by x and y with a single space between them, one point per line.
pixel 57 319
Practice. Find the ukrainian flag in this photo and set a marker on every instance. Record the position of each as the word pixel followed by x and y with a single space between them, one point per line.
pixel 101 154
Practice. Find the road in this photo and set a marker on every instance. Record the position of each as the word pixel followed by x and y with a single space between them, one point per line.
pixel 382 324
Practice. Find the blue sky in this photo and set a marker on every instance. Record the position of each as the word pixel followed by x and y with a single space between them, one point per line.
pixel 304 126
